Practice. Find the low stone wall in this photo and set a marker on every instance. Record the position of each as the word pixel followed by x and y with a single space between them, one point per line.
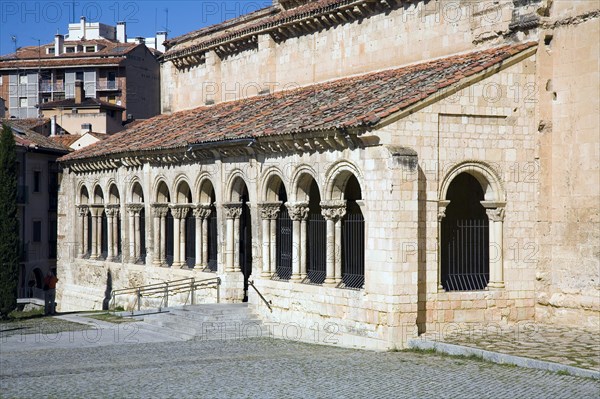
pixel 95 281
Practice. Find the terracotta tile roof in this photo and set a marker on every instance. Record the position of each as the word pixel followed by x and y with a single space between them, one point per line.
pixel 65 139
pixel 86 103
pixel 28 138
pixel 27 123
pixel 358 101
pixel 31 56
pixel 266 18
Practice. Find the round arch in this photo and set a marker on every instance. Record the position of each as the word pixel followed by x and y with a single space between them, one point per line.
pixel 272 182
pixel 338 176
pixel 98 195
pixel 113 194
pixel 235 186
pixel 162 194
pixel 84 196
pixel 302 181
pixel 183 193
pixel 136 192
pixel 204 189
pixel 486 175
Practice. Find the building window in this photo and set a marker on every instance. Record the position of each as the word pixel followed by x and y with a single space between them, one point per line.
pixel 78 75
pixel 36 181
pixel 23 102
pixel 112 99
pixel 90 49
pixel 37 231
pixel 50 50
pixel 22 78
pixel 74 111
pixel 69 49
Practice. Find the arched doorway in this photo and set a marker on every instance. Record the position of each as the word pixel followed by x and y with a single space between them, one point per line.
pixel 465 264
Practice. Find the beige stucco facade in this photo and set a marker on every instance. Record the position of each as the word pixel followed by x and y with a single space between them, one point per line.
pixel 526 130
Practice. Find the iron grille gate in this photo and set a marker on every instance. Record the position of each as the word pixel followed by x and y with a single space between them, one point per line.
pixel 465 254
pixel 212 240
pixel 190 239
pixel 353 250
pixel 317 248
pixel 284 244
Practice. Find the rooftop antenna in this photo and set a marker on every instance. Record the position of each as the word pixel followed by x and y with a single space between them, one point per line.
pixel 14 40
pixel 167 20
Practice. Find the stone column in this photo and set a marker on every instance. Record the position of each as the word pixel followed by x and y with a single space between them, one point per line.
pixel 134 231
pixel 298 213
pixel 201 213
pixel 83 212
pixel 110 217
pixel 96 211
pixel 160 219
pixel 442 205
pixel 179 213
pixel 496 221
pixel 233 211
pixel 268 213
pixel 333 212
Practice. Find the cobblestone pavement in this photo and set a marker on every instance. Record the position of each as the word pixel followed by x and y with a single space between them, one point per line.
pixel 266 368
pixel 570 346
pixel 44 325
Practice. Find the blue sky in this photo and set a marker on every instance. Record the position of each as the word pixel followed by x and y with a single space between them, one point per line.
pixel 29 21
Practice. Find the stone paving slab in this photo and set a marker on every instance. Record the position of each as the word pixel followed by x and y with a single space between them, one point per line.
pixel 267 368
pixel 570 346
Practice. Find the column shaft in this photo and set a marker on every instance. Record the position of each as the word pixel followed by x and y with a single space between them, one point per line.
pixel 163 240
pixel 330 255
pixel 295 250
pixel 137 237
pixel 272 245
pixel 236 240
pixel 157 241
pixel 266 241
pixel 204 252
pixel 176 242
pixel 110 240
pixel 338 251
pixel 230 244
pixel 132 256
pixel 302 255
pixel 198 243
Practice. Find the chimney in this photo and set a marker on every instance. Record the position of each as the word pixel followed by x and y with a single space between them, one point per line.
pixel 161 38
pixel 79 92
pixel 82 22
pixel 53 126
pixel 86 128
pixel 121 32
pixel 59 41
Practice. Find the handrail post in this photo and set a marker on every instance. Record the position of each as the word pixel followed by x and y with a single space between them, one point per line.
pixel 166 295
pixel 139 298
pixel 192 290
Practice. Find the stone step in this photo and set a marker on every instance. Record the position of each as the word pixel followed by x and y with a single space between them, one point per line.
pixel 215 321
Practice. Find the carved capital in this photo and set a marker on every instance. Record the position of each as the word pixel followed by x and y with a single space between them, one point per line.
pixel 269 210
pixel 96 209
pixel 233 210
pixel 82 210
pixel 179 211
pixel 333 210
pixel 160 210
pixel 202 211
pixel 135 209
pixel 442 205
pixel 298 210
pixel 495 215
pixel 112 210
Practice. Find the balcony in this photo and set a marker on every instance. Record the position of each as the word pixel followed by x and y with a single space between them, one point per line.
pixel 49 87
pixel 108 85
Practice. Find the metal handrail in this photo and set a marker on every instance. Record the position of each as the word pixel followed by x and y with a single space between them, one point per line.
pixel 167 288
pixel 268 303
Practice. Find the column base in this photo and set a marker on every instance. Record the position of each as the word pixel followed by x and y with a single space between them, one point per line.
pixel 495 285
pixel 266 275
pixel 178 265
pixel 296 278
pixel 329 282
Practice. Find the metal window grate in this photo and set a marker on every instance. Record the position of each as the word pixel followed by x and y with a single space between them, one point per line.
pixel 190 239
pixel 212 240
pixel 465 254
pixel 353 250
pixel 316 248
pixel 284 245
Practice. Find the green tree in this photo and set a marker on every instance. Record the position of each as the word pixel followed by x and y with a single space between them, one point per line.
pixel 9 225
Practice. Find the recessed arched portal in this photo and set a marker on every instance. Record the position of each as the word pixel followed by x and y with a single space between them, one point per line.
pixel 283 240
pixel 465 236
pixel 353 236
pixel 316 236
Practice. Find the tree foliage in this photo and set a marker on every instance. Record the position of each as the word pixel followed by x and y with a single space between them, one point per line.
pixel 9 225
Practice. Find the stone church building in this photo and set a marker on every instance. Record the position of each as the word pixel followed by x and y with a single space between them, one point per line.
pixel 378 169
